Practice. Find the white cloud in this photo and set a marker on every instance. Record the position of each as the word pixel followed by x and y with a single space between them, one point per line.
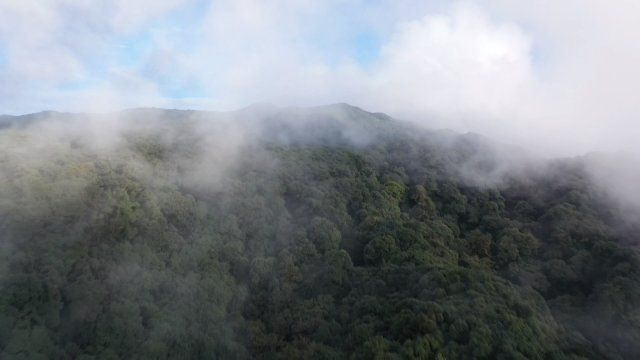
pixel 557 76
pixel 456 65
pixel 49 44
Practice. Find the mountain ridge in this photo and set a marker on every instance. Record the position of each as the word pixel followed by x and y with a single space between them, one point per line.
pixel 322 233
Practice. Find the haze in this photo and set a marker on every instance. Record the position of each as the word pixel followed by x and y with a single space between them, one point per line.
pixel 560 78
pixel 244 179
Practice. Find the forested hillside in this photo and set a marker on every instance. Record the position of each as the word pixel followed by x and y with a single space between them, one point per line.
pixel 328 233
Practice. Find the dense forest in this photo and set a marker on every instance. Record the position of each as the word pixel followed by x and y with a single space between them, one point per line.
pixel 324 233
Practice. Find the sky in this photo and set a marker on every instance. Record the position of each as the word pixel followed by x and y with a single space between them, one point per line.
pixel 559 77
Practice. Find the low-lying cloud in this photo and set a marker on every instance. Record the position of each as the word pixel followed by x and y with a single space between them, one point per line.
pixel 557 77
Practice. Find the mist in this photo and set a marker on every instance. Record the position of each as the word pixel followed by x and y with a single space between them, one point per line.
pixel 559 79
pixel 303 179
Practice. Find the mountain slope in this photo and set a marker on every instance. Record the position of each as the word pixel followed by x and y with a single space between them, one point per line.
pixel 325 232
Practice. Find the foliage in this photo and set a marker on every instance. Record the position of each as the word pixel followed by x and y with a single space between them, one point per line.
pixel 327 250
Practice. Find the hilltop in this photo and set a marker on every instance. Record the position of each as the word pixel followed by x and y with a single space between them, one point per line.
pixel 327 232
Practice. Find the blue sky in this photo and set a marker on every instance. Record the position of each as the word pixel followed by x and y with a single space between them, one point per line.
pixel 84 48
pixel 492 66
pixel 60 51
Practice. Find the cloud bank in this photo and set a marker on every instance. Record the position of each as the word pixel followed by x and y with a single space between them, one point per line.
pixel 557 77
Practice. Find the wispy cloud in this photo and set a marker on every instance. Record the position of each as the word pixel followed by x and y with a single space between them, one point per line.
pixel 560 77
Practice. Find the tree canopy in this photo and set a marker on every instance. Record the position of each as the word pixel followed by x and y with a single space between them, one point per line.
pixel 304 244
